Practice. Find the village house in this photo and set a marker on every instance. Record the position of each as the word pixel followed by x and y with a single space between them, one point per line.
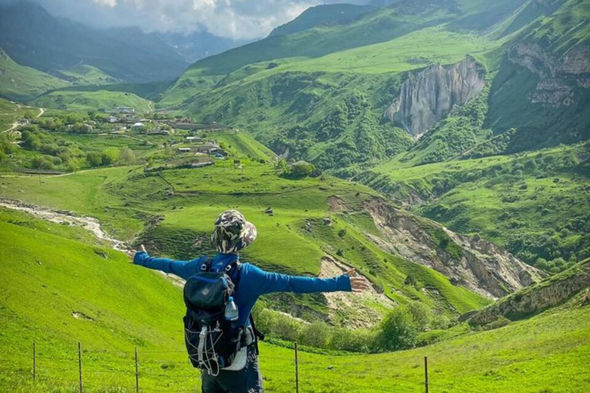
pixel 184 149
pixel 207 148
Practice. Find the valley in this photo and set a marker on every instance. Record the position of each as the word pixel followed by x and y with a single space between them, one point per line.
pixel 439 148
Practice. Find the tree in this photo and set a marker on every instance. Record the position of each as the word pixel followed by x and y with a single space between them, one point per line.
pixel 94 159
pixel 110 155
pixel 126 156
pixel 397 331
pixel 300 169
pixel 315 334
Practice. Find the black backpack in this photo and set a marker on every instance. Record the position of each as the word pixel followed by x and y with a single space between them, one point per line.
pixel 212 341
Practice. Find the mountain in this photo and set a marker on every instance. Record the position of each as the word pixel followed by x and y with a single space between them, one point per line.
pixel 322 15
pixel 22 83
pixel 198 44
pixel 385 60
pixel 34 38
pixel 380 96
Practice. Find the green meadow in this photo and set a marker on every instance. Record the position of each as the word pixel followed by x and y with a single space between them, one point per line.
pixel 534 204
pixel 60 286
pixel 100 100
pixel 23 83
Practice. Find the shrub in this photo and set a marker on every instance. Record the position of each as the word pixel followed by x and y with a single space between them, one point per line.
pixel 316 334
pixel 286 327
pixel 397 331
pixel 94 159
pixel 358 340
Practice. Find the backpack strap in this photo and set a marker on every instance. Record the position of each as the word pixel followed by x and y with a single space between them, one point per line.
pixel 234 271
pixel 206 265
pixel 237 268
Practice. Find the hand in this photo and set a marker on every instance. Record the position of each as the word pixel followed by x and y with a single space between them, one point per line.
pixel 132 253
pixel 357 284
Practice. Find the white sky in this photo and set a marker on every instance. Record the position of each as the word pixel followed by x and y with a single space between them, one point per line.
pixel 240 19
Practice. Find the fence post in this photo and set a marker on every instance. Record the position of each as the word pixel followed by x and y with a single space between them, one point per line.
pixel 296 370
pixel 80 365
pixel 34 361
pixel 426 373
pixel 136 373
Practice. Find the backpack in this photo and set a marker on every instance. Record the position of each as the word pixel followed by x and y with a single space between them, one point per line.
pixel 213 343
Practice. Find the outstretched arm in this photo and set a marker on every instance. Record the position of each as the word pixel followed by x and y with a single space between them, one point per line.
pixel 267 282
pixel 183 269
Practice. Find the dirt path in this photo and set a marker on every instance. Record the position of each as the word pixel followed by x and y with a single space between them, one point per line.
pixel 90 224
pixel 15 124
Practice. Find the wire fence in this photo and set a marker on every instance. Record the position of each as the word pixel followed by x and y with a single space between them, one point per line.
pixel 146 371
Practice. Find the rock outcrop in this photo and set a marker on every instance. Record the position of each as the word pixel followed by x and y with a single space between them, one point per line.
pixel 548 293
pixel 558 77
pixel 359 308
pixel 471 262
pixel 431 94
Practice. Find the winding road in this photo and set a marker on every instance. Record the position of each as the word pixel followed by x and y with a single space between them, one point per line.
pixel 15 124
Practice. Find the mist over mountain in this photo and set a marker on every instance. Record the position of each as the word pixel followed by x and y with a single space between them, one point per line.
pixel 33 37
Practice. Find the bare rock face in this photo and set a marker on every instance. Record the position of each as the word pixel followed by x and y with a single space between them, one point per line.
pixel 359 308
pixel 558 77
pixel 470 262
pixel 431 94
pixel 548 293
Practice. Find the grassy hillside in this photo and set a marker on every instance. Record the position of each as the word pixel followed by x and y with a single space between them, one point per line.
pixel 168 209
pixel 101 100
pixel 84 74
pixel 90 294
pixel 22 83
pixel 547 103
pixel 323 15
pixel 326 106
pixel 179 196
pixel 10 112
pixel 533 204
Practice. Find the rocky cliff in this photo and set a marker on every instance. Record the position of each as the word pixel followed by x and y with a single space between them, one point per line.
pixel 548 293
pixel 431 94
pixel 471 262
pixel 558 77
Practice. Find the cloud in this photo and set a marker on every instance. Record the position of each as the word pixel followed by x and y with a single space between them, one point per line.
pixel 108 3
pixel 240 19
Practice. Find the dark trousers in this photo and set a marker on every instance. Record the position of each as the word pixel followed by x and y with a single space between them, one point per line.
pixel 247 380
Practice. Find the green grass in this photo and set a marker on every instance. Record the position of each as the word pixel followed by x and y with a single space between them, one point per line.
pixel 85 74
pixel 23 83
pixel 188 200
pixel 534 204
pixel 101 100
pixel 10 112
pixel 244 146
pixel 57 269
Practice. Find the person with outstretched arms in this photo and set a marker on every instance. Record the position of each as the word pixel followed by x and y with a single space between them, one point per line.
pixel 222 281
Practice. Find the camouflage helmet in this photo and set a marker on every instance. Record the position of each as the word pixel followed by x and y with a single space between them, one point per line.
pixel 232 232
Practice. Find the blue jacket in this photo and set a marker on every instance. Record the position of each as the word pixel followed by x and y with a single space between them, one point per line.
pixel 254 281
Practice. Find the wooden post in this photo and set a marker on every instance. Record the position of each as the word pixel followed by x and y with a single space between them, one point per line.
pixel 296 371
pixel 80 365
pixel 426 373
pixel 136 373
pixel 34 361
